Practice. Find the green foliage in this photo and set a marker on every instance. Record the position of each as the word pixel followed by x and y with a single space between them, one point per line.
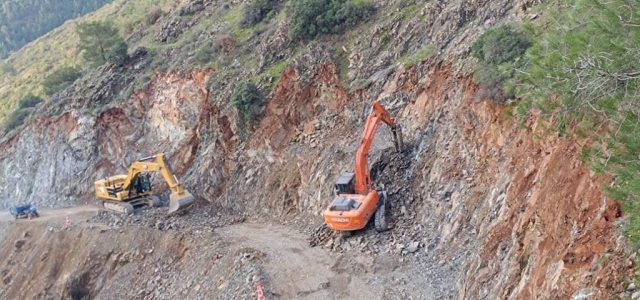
pixel 60 79
pixel 234 18
pixel 205 54
pixel 16 119
pixel 312 18
pixel 247 99
pixel 500 45
pixel 30 100
pixel 22 21
pixel 258 10
pixel 411 59
pixel 6 68
pixel 29 66
pixel 584 71
pixel 154 14
pixel 101 43
pixel 498 50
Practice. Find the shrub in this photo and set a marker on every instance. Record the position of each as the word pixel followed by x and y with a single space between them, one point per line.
pixel 256 11
pixel 59 80
pixel 118 54
pixel 16 119
pixel 500 45
pixel 246 98
pixel 154 14
pixel 30 100
pixel 204 54
pixel 491 86
pixel 498 49
pixel 311 18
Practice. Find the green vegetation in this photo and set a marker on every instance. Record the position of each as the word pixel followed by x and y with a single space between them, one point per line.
pixel 59 80
pixel 22 21
pixel 271 75
pixel 583 73
pixel 100 43
pixel 411 59
pixel 500 45
pixel 312 18
pixel 234 18
pixel 154 14
pixel 499 50
pixel 29 100
pixel 247 99
pixel 16 119
pixel 25 70
pixel 258 10
pixel 6 68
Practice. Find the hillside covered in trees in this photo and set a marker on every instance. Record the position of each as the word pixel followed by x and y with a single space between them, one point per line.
pixel 22 21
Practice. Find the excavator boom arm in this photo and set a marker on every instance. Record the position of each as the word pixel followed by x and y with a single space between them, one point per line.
pixel 152 164
pixel 377 114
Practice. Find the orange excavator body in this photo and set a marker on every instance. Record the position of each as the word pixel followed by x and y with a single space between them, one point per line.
pixel 355 201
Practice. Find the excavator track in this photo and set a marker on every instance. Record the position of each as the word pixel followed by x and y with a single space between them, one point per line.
pixel 121 207
pixel 153 201
pixel 380 217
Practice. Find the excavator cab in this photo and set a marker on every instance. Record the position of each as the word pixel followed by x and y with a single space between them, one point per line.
pixel 346 184
pixel 143 183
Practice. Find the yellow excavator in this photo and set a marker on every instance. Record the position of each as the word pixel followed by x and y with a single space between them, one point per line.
pixel 122 193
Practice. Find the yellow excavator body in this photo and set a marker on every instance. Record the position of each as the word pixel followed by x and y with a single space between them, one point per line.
pixel 124 192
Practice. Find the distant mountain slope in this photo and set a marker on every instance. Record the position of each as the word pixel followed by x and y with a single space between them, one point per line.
pixel 22 21
pixel 25 69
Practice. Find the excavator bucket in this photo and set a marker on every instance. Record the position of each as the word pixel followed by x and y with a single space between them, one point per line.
pixel 180 201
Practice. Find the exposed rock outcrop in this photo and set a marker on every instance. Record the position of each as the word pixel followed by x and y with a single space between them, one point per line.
pixel 514 217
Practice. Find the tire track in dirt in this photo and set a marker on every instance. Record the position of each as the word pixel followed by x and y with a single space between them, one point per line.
pixel 297 271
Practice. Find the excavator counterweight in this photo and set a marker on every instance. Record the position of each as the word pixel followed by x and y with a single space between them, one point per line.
pixel 355 201
pixel 123 192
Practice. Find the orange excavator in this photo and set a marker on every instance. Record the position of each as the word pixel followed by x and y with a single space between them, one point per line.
pixel 355 201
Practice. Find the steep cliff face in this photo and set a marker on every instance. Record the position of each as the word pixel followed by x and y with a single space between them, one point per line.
pixel 54 160
pixel 515 216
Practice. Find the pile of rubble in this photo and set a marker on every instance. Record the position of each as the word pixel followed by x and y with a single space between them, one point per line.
pixel 235 278
pixel 393 174
pixel 245 273
pixel 198 217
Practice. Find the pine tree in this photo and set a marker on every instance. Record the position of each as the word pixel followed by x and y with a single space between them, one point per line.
pixel 584 71
pixel 100 43
pixel 22 21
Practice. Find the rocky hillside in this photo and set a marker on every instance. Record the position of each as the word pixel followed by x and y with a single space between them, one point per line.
pixel 511 214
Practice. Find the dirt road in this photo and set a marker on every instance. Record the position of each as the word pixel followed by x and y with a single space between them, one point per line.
pixel 297 271
pixel 81 212
pixel 292 269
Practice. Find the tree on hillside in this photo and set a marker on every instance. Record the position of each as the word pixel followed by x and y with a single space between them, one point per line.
pixel 100 43
pixel 246 98
pixel 584 71
pixel 312 18
pixel 22 21
pixel 589 60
